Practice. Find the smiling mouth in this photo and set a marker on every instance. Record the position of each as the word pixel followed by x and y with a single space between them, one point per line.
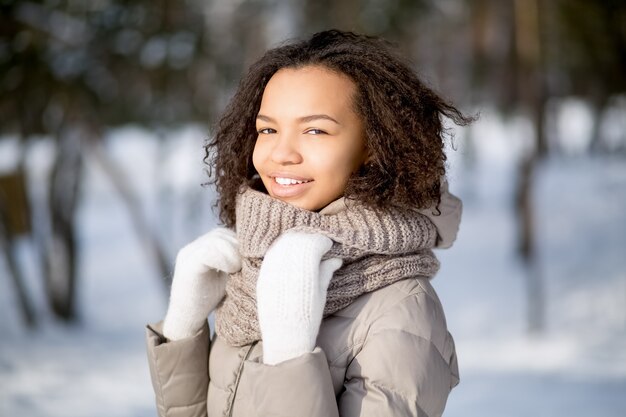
pixel 287 188
pixel 289 181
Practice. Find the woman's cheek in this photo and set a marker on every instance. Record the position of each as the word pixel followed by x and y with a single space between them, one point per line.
pixel 258 156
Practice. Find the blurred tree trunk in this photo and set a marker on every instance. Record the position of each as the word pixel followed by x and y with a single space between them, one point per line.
pixel 598 107
pixel 14 221
pixel 532 95
pixel 133 205
pixel 7 250
pixel 535 291
pixel 60 256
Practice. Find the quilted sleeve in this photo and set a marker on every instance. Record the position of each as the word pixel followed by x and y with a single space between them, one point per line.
pixel 179 372
pixel 402 371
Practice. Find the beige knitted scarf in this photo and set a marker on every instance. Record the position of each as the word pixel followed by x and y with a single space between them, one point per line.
pixel 377 247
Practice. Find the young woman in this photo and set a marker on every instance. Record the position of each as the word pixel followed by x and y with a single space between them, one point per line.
pixel 329 163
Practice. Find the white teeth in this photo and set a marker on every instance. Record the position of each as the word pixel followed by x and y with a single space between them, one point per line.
pixel 288 181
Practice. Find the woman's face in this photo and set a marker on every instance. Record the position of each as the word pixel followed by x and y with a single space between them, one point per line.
pixel 310 140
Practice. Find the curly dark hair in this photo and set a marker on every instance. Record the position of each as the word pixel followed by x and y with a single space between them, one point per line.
pixel 403 121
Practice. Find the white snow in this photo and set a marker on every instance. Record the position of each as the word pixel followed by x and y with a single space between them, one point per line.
pixel 577 367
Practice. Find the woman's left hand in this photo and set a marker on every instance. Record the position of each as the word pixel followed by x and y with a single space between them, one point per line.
pixel 291 294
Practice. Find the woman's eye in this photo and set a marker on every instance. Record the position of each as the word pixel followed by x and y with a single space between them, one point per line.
pixel 266 131
pixel 315 131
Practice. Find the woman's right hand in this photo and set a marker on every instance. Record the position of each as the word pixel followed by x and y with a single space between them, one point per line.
pixel 199 282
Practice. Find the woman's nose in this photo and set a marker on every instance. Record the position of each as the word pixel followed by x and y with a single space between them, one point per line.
pixel 286 150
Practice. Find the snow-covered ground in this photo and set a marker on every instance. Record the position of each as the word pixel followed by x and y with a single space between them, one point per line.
pixel 577 367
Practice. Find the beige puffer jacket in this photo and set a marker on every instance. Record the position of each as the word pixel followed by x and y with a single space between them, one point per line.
pixel 389 353
pixel 386 354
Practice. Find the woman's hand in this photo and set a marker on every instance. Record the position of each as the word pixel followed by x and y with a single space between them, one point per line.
pixel 291 294
pixel 199 282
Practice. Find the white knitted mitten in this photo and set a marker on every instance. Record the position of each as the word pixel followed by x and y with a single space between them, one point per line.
pixel 199 282
pixel 291 294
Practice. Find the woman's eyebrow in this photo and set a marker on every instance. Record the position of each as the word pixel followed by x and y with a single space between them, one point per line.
pixel 302 119
pixel 312 117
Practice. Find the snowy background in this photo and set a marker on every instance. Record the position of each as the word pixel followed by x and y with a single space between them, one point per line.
pixel 577 367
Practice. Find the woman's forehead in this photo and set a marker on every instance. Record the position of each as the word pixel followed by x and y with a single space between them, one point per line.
pixel 305 91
